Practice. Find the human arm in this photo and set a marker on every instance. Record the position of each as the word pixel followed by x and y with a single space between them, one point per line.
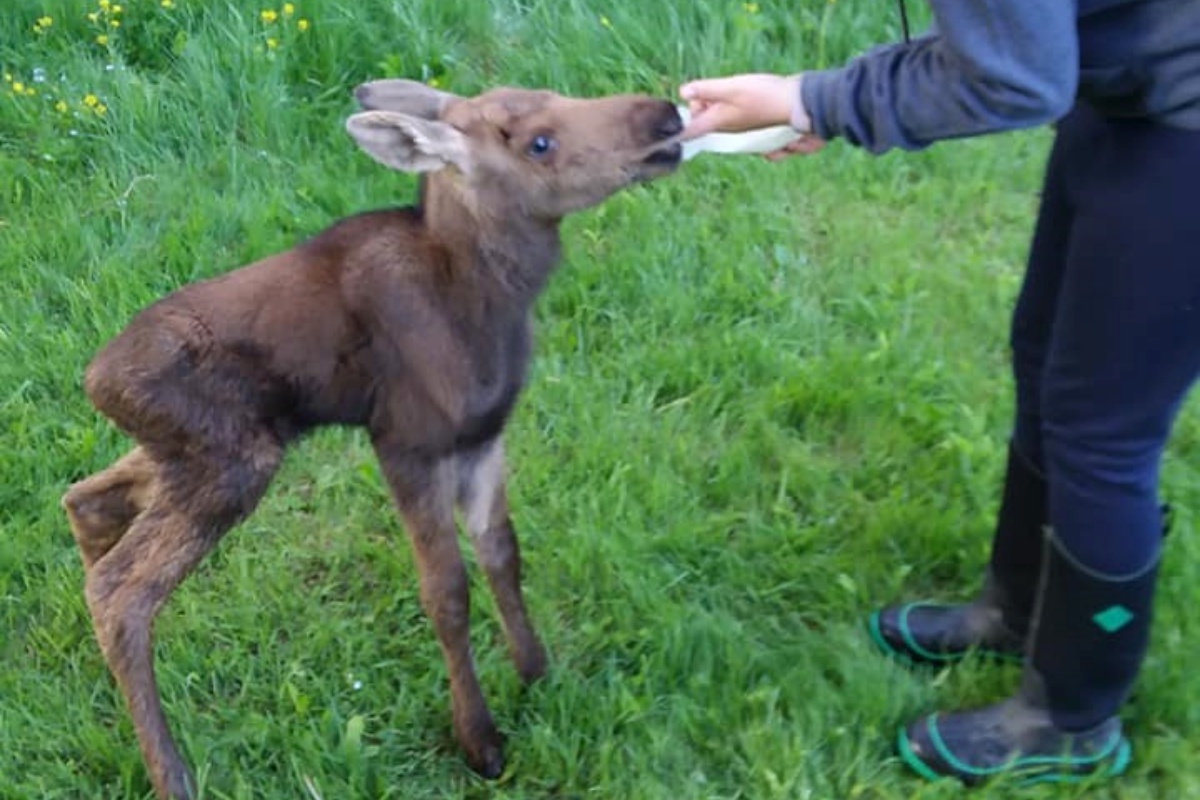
pixel 993 65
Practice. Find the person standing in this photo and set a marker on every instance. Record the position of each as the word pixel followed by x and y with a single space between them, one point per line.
pixel 1105 341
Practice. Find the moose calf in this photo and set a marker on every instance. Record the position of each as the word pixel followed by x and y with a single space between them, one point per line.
pixel 413 322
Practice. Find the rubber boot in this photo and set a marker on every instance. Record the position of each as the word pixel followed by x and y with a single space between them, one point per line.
pixel 997 621
pixel 1087 645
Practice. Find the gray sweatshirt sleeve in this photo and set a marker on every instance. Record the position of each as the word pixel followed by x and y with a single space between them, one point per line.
pixel 992 65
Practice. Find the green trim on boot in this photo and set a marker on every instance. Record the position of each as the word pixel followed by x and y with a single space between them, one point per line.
pixel 1015 739
pixel 927 633
pixel 895 634
pixel 1048 755
pixel 1089 636
pixel 996 622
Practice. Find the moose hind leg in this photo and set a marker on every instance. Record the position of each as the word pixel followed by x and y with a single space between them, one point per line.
pixel 127 587
pixel 101 508
pixel 484 501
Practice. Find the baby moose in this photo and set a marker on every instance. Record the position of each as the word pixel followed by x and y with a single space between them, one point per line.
pixel 413 322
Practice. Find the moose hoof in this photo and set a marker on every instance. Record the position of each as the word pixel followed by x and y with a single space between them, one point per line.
pixel 489 763
pixel 483 748
pixel 175 784
pixel 531 665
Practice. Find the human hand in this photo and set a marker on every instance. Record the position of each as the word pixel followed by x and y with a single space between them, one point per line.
pixel 739 103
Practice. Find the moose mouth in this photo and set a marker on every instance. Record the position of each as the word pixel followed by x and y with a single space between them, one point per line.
pixel 668 156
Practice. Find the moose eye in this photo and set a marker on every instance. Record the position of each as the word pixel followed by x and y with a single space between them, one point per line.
pixel 541 145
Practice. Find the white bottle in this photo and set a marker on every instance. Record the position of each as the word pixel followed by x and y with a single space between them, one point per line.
pixel 762 140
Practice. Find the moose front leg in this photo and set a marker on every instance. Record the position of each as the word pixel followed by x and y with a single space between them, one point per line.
pixel 484 502
pixel 424 491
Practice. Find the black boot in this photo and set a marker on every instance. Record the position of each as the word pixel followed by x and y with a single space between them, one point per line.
pixel 1087 644
pixel 996 622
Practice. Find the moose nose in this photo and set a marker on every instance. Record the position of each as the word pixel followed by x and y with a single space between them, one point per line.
pixel 669 124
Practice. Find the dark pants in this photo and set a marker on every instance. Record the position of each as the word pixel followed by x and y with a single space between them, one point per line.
pixel 1106 332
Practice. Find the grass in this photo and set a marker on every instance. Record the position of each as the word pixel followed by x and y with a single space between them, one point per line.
pixel 767 398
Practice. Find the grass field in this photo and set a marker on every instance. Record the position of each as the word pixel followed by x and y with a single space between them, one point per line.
pixel 766 399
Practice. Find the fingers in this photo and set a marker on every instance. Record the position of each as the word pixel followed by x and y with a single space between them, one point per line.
pixel 713 103
pixel 709 90
pixel 712 115
pixel 704 106
pixel 804 146
pixel 739 102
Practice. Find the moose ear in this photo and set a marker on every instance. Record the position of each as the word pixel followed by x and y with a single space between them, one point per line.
pixel 404 96
pixel 407 143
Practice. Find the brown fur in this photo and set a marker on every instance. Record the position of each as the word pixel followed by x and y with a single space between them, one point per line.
pixel 414 323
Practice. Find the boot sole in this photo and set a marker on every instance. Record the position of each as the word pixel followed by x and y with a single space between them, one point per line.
pixel 1025 771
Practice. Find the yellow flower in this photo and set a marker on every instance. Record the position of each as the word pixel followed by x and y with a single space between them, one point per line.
pixel 288 9
pixel 269 15
pixel 92 17
pixel 272 44
pixel 18 87
pixel 116 23
pixel 91 101
pixel 43 23
pixel 302 25
pixel 102 40
pixel 434 83
pixel 167 3
pixel 104 4
pixel 751 8
pixel 61 106
pixel 8 77
pixel 116 9
pixel 100 109
pixel 30 91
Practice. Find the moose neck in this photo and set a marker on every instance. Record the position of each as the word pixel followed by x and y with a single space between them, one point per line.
pixel 491 236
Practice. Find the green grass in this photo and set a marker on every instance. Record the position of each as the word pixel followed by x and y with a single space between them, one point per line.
pixel 766 399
